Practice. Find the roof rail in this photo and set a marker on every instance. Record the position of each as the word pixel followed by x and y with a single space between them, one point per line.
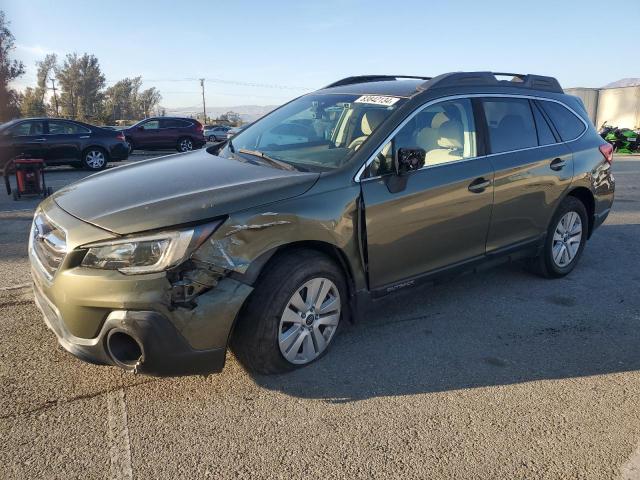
pixel 477 79
pixel 371 78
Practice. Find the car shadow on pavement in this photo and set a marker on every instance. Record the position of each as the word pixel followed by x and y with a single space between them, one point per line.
pixel 500 327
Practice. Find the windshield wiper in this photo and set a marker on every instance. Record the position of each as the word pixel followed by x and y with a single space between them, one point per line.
pixel 267 158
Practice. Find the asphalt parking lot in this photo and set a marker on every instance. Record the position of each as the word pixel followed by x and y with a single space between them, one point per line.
pixel 493 375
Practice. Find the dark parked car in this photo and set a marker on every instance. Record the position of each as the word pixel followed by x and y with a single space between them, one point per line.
pixel 60 141
pixel 216 133
pixel 339 198
pixel 183 134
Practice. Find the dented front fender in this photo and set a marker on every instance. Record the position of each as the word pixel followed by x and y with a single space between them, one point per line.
pixel 329 217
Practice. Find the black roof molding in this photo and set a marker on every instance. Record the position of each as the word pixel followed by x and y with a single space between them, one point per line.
pixel 479 79
pixel 371 78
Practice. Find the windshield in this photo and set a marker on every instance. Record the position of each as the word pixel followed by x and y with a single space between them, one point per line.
pixel 314 132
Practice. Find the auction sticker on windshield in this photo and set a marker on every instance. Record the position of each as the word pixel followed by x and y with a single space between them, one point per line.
pixel 377 100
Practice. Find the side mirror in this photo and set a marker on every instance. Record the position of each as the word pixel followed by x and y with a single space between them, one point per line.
pixel 141 128
pixel 409 159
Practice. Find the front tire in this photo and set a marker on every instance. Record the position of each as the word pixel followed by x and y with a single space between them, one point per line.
pixel 185 144
pixel 292 315
pixel 565 241
pixel 94 159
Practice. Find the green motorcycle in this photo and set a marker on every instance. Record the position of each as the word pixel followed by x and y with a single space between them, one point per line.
pixel 624 140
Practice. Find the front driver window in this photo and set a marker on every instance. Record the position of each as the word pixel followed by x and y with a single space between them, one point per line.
pixel 445 131
pixel 152 125
pixel 23 129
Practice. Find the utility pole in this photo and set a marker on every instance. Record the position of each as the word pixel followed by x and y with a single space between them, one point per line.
pixel 204 105
pixel 55 97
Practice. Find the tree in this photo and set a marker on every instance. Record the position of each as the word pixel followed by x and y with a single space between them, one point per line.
pixel 46 73
pixel 31 104
pixel 122 100
pixel 148 100
pixel 81 82
pixel 9 71
pixel 231 118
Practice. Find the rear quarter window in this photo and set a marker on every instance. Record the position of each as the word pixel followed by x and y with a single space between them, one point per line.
pixel 569 126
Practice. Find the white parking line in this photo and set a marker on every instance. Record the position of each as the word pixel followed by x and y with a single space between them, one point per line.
pixel 15 287
pixel 118 436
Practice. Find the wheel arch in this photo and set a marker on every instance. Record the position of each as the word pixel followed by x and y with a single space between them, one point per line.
pixel 588 200
pixel 94 146
pixel 336 254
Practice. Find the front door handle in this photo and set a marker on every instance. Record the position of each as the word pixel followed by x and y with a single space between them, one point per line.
pixel 557 164
pixel 39 139
pixel 479 185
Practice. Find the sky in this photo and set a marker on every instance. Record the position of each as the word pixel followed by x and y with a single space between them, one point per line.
pixel 266 52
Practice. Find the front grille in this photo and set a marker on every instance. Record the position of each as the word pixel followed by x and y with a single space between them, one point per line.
pixel 48 243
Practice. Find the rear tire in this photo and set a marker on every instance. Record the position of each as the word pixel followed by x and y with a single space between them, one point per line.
pixel 260 335
pixel 565 241
pixel 94 159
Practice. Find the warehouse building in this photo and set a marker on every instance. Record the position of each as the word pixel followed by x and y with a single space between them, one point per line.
pixel 616 106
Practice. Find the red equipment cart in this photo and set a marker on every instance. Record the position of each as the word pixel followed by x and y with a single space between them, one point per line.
pixel 29 177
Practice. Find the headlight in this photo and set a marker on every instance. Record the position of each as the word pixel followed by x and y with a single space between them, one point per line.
pixel 146 254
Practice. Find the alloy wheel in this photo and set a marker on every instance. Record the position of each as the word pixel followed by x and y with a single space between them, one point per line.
pixel 186 145
pixel 309 321
pixel 95 159
pixel 567 238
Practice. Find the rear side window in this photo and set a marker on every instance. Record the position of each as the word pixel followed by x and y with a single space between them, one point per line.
pixel 510 124
pixel 65 128
pixel 545 135
pixel 171 123
pixel 567 124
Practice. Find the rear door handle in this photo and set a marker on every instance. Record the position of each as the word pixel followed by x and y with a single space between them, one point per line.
pixel 39 139
pixel 479 185
pixel 557 164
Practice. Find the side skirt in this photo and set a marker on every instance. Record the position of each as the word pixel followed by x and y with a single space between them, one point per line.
pixel 525 249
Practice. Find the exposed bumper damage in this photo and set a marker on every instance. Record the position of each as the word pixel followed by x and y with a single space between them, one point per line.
pixel 163 350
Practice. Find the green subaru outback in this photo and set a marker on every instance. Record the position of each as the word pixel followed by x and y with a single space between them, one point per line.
pixel 334 201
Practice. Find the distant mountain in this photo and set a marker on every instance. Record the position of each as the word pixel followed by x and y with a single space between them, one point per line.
pixel 625 82
pixel 248 113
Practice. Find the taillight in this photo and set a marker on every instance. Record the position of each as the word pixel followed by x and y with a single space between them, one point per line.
pixel 606 149
pixel 200 127
pixel 120 136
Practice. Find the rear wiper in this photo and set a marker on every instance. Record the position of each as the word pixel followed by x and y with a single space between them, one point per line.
pixel 273 161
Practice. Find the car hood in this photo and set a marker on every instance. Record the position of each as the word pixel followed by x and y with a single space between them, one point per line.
pixel 177 189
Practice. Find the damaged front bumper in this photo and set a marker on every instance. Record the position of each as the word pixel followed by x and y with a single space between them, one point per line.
pixel 173 322
pixel 178 342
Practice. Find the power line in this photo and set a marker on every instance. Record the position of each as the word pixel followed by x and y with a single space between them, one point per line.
pixel 226 82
